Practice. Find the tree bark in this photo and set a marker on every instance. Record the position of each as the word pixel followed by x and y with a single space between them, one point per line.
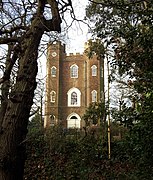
pixel 16 109
pixel 14 125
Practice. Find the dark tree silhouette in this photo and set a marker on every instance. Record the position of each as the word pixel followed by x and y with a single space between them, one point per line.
pixel 23 24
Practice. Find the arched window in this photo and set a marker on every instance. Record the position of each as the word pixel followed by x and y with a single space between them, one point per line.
pixel 73 121
pixel 74 71
pixel 94 96
pixel 52 120
pixel 74 97
pixel 94 70
pixel 53 71
pixel 52 96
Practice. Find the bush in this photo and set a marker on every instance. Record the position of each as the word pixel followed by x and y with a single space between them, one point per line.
pixel 58 155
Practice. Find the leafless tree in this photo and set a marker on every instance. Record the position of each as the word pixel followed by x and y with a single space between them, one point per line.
pixel 22 25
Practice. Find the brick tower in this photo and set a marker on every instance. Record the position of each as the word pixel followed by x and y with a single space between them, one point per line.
pixel 73 81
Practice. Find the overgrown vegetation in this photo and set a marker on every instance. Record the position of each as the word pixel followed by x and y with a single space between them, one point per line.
pixel 72 155
pixel 59 154
pixel 126 30
pixel 124 36
pixel 123 31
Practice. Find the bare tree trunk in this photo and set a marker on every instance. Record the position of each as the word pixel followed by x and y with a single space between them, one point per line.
pixel 17 104
pixel 5 86
pixel 14 125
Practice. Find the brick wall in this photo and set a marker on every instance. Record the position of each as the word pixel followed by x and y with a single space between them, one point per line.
pixel 63 82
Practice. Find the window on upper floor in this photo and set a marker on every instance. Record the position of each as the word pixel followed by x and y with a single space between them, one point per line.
pixel 52 96
pixel 74 71
pixel 94 96
pixel 53 71
pixel 94 70
pixel 74 97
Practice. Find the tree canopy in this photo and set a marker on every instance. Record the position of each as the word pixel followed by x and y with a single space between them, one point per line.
pixel 126 29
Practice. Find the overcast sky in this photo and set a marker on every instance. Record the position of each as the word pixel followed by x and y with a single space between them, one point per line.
pixel 76 36
pixel 78 33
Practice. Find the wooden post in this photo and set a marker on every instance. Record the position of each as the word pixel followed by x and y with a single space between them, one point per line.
pixel 109 139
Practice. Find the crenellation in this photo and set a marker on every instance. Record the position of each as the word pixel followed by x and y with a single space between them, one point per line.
pixel 74 54
pixel 73 84
pixel 71 54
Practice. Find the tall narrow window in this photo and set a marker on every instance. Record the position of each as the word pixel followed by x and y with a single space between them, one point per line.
pixel 52 96
pixel 53 71
pixel 94 70
pixel 74 98
pixel 94 96
pixel 74 71
pixel 52 120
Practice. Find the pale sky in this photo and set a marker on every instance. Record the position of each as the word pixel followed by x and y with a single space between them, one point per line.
pixel 75 39
pixel 76 36
pixel 78 33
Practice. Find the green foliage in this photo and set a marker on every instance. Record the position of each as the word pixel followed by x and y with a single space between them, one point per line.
pixel 35 124
pixel 126 28
pixel 95 47
pixel 127 116
pixel 95 112
pixel 59 155
pixel 138 144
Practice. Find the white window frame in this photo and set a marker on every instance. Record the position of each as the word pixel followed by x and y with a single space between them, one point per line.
pixel 74 71
pixel 52 96
pixel 73 122
pixel 94 70
pixel 53 71
pixel 94 96
pixel 78 96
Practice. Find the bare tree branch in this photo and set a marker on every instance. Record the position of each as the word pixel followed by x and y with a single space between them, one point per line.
pixel 8 40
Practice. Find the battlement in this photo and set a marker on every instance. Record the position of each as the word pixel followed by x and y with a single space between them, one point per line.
pixel 56 45
pixel 74 54
pixel 68 75
pixel 59 46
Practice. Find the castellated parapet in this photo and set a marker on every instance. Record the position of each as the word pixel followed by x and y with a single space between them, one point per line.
pixel 73 81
